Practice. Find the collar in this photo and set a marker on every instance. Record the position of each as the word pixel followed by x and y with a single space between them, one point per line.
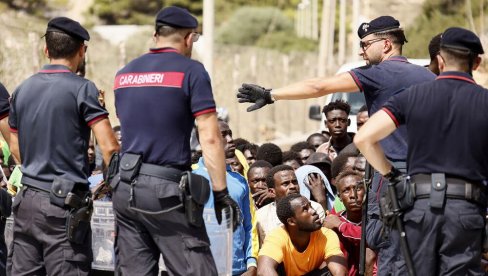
pixel 398 58
pixel 54 68
pixel 163 50
pixel 343 214
pixel 456 75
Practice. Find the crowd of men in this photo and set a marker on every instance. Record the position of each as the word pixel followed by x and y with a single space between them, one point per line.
pixel 306 210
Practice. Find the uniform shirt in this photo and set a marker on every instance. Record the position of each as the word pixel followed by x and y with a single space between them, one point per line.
pixel 52 112
pixel 243 254
pixel 446 122
pixel 267 219
pixel 379 83
pixel 4 102
pixel 157 97
pixel 323 244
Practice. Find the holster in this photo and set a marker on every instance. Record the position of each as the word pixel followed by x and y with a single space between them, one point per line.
pixel 438 190
pixel 195 191
pixel 130 164
pixel 79 218
pixel 405 196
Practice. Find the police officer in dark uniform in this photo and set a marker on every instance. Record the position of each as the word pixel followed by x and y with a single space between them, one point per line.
pixel 51 116
pixel 158 96
pixel 5 198
pixel 387 72
pixel 447 159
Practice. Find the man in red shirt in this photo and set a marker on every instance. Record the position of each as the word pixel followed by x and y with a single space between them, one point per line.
pixel 347 223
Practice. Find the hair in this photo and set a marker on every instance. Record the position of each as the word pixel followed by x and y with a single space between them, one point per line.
pixel 339 163
pixel 338 104
pixel 291 155
pixel 351 149
pixel 345 174
pixel 239 142
pixel 253 148
pixel 273 171
pixel 260 164
pixel 363 109
pixel 314 135
pixel 396 36
pixel 175 34
pixel 462 59
pixel 435 46
pixel 298 147
pixel 116 128
pixel 61 45
pixel 283 208
pixel 271 153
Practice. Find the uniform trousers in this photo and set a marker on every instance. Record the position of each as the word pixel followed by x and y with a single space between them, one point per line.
pixel 40 245
pixel 141 238
pixel 385 242
pixel 445 241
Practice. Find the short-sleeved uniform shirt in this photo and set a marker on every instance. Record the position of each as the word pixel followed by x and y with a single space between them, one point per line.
pixel 52 112
pixel 4 102
pixel 380 82
pixel 157 97
pixel 323 244
pixel 447 126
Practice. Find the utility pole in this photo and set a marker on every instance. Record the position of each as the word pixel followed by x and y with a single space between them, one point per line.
pixel 330 53
pixel 323 44
pixel 208 34
pixel 354 27
pixel 342 32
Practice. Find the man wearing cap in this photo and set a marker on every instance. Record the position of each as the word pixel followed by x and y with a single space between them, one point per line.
pixel 158 96
pixel 448 172
pixel 387 72
pixel 51 116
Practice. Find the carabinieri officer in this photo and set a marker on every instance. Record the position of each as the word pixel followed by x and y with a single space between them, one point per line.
pixel 158 96
pixel 51 116
pixel 447 159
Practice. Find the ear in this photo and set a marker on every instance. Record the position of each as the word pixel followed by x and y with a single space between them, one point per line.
pixel 476 63
pixel 388 46
pixel 46 52
pixel 155 37
pixel 291 221
pixel 441 63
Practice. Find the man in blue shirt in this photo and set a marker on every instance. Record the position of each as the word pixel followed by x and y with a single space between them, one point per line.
pixel 387 73
pixel 243 258
pixel 447 159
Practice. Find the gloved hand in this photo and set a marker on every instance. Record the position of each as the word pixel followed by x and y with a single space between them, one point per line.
pixel 251 93
pixel 222 200
pixel 394 176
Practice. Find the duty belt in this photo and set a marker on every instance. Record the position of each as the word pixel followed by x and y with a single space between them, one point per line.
pixel 456 188
pixel 167 173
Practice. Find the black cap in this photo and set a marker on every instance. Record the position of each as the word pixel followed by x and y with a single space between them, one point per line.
pixel 69 27
pixel 461 39
pixel 318 158
pixel 176 17
pixel 380 24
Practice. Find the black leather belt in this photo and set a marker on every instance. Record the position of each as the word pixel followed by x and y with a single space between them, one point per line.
pixel 456 188
pixel 167 173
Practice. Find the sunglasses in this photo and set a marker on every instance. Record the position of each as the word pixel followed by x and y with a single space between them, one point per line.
pixel 367 43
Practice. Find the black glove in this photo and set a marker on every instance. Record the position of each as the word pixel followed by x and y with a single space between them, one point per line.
pixel 222 200
pixel 251 93
pixel 394 176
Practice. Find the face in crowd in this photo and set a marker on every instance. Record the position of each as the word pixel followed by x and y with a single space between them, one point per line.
pixel 361 119
pixel 351 192
pixel 304 154
pixel 337 122
pixel 256 178
pixel 304 215
pixel 229 146
pixel 286 183
pixel 250 156
pixel 235 165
